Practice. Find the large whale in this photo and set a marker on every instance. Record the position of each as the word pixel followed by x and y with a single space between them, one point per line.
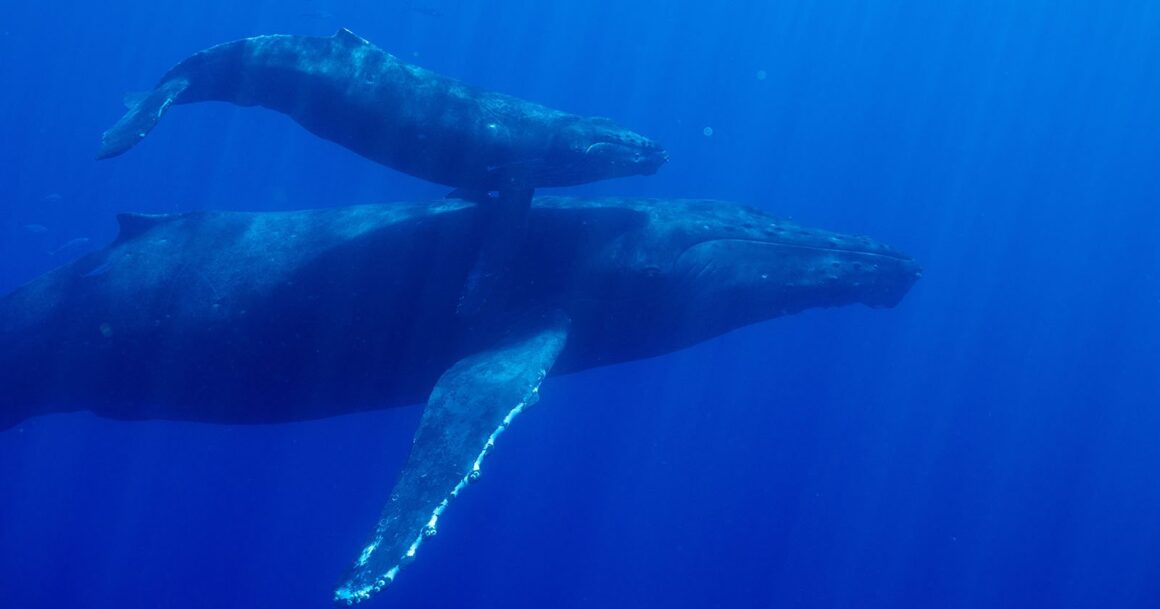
pixel 346 90
pixel 267 317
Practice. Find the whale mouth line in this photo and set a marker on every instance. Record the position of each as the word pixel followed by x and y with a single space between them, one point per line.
pixel 597 145
pixel 819 247
pixel 615 144
pixel 641 159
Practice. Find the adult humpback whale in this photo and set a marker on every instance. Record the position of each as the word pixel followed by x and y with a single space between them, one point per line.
pixel 346 90
pixel 266 317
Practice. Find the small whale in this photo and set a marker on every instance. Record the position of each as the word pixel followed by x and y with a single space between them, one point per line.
pixel 346 90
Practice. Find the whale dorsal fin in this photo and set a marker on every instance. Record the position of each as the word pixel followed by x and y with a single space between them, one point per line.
pixel 350 38
pixel 131 225
pixel 471 404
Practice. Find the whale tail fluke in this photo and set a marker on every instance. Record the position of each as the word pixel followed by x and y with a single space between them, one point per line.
pixel 144 112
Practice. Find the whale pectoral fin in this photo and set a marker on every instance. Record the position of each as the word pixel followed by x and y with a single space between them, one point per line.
pixel 471 404
pixel 141 118
pixel 506 225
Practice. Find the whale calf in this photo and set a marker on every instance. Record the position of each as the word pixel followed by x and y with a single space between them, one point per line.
pixel 346 90
pixel 283 316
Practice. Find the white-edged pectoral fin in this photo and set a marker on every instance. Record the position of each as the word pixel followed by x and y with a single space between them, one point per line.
pixel 471 404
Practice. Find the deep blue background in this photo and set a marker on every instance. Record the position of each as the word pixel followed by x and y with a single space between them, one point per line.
pixel 992 442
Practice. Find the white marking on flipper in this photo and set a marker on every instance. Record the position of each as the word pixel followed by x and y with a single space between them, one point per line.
pixel 352 596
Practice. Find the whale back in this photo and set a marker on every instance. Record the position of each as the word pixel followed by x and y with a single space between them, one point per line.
pixel 183 315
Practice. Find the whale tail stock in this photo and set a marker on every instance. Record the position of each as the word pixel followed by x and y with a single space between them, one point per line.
pixel 143 114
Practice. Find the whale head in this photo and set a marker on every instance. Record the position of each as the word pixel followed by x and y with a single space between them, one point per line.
pixel 623 152
pixel 692 270
pixel 727 281
pixel 591 149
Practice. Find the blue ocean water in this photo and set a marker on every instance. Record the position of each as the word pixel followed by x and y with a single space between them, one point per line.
pixel 994 441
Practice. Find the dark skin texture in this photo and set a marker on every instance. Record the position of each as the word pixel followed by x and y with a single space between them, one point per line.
pixel 268 317
pixel 346 90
